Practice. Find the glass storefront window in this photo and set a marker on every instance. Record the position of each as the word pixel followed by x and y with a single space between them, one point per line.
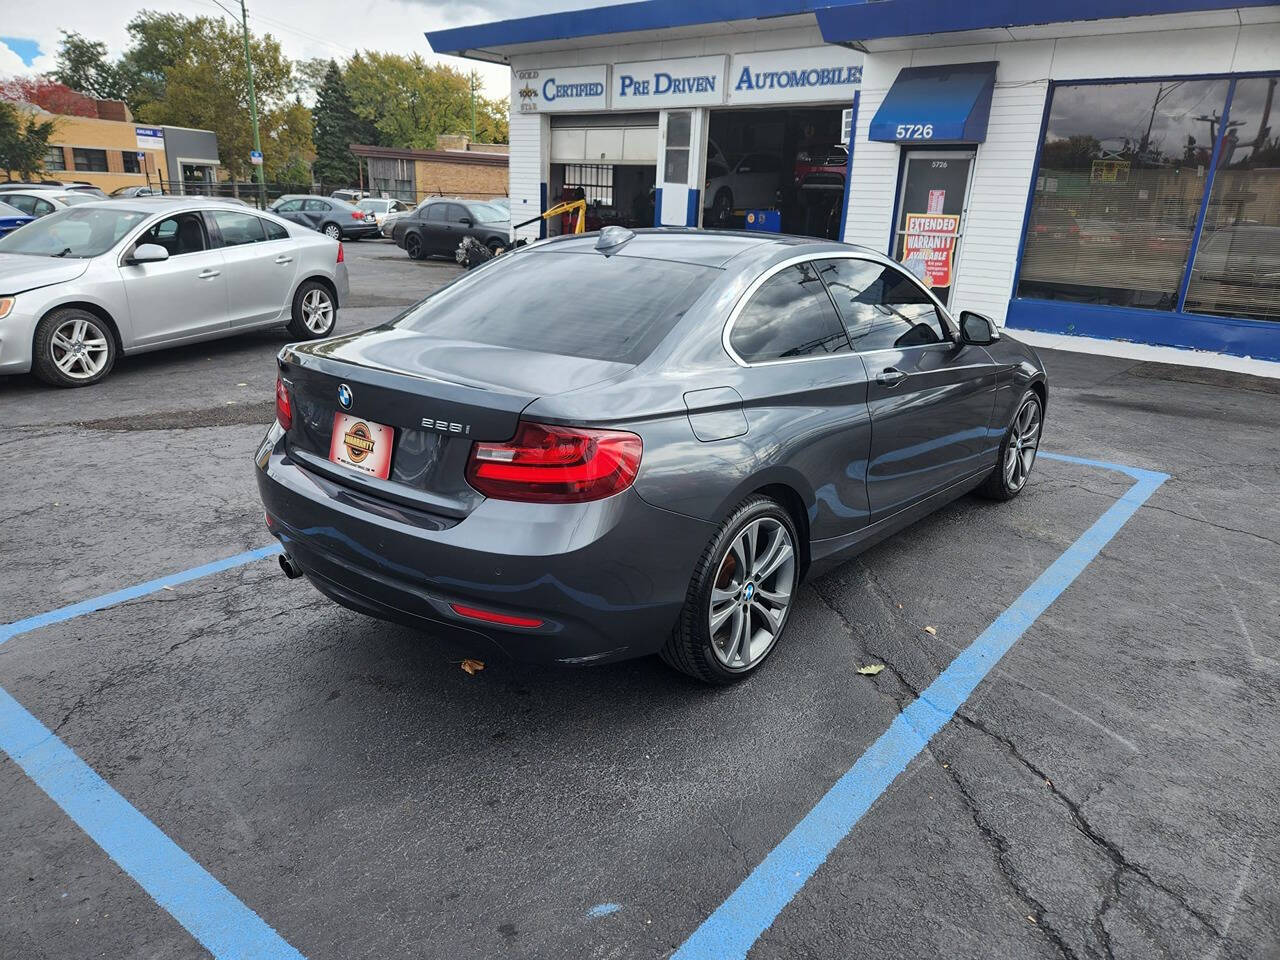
pixel 1123 170
pixel 1237 265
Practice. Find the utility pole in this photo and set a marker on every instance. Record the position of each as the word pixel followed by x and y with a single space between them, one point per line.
pixel 473 106
pixel 253 107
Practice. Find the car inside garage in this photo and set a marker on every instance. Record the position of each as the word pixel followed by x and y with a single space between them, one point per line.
pixel 791 161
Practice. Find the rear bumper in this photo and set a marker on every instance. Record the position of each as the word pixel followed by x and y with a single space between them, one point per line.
pixel 607 578
pixel 361 231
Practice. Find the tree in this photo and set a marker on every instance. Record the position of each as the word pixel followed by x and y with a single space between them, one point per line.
pixel 157 42
pixel 82 65
pixel 24 141
pixel 310 75
pixel 208 88
pixel 336 128
pixel 288 152
pixel 411 102
pixel 48 95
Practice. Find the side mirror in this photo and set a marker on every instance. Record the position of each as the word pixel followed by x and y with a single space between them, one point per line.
pixel 977 329
pixel 149 253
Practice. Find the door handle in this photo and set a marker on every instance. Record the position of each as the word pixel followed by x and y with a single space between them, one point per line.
pixel 283 259
pixel 208 274
pixel 890 376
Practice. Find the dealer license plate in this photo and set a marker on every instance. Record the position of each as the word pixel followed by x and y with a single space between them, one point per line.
pixel 361 445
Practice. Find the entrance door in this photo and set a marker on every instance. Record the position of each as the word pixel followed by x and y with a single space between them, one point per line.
pixel 931 216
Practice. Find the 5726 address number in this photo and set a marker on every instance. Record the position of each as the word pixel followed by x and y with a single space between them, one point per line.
pixel 914 131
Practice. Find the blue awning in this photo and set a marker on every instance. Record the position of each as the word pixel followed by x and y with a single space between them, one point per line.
pixel 941 104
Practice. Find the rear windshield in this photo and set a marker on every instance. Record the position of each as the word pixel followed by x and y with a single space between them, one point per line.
pixel 573 304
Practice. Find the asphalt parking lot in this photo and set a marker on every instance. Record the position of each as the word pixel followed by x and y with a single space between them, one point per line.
pixel 1108 790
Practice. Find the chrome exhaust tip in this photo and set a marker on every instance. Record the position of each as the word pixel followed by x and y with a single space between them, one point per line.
pixel 290 568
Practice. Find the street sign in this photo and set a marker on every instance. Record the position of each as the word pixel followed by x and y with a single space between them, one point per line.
pixel 255 157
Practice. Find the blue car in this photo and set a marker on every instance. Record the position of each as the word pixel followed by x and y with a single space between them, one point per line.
pixel 11 218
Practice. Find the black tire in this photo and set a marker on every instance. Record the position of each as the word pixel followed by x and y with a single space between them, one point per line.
pixel 332 231
pixel 413 246
pixel 722 208
pixel 496 247
pixel 309 296
pixel 689 648
pixel 46 353
pixel 1000 485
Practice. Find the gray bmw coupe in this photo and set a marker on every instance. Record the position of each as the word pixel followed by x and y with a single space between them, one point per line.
pixel 599 447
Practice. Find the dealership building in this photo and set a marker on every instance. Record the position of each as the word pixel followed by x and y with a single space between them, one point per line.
pixel 1104 169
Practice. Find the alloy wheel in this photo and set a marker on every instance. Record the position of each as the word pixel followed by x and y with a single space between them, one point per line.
pixel 1024 439
pixel 412 246
pixel 317 311
pixel 751 593
pixel 333 232
pixel 79 349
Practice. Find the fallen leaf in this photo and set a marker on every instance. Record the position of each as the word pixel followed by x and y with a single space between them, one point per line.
pixel 931 631
pixel 1031 918
pixel 899 606
pixel 472 666
pixel 871 669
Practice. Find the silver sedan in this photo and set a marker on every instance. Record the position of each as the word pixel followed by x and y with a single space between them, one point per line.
pixel 86 284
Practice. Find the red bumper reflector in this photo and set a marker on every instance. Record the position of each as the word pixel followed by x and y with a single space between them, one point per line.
pixel 489 616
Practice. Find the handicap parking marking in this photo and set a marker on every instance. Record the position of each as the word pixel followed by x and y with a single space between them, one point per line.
pixel 209 911
pixel 731 931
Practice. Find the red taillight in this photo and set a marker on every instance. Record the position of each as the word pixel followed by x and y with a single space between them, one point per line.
pixel 284 409
pixel 357 214
pixel 342 257
pixel 545 464
pixel 491 616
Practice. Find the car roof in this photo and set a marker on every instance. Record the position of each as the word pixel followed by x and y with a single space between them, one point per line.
pixel 171 204
pixel 710 248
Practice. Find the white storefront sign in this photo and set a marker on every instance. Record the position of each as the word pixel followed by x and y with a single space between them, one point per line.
pixel 689 82
pixel 149 138
pixel 561 89
pixel 809 75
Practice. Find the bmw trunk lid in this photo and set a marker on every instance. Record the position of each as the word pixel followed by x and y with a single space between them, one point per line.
pixel 436 396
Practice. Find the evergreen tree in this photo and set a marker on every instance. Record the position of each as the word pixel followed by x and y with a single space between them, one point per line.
pixel 336 127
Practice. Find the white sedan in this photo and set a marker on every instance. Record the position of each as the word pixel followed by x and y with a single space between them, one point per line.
pixel 86 284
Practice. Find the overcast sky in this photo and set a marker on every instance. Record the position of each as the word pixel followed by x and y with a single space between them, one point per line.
pixel 305 28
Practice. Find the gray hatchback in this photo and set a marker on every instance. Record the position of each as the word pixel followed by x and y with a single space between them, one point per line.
pixel 600 447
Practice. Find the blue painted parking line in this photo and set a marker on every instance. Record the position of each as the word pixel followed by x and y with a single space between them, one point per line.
pixel 10 630
pixel 751 909
pixel 209 911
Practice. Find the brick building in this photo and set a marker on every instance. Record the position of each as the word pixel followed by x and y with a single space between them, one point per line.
pixel 456 168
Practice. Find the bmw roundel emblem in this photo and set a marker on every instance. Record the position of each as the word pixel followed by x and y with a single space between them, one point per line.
pixel 345 396
pixel 749 591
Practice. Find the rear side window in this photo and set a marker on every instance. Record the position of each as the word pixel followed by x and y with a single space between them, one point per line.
pixel 882 307
pixel 274 230
pixel 238 229
pixel 316 206
pixel 573 304
pixel 790 316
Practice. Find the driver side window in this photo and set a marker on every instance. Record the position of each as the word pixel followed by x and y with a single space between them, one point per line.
pixel 180 234
pixel 882 307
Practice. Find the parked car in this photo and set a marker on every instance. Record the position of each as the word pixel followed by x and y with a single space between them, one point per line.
pixel 40 203
pixel 381 208
pixel 74 186
pixel 821 167
pixel 137 192
pixel 1236 272
pixel 438 225
pixel 83 285
pixel 349 196
pixel 601 447
pixel 751 183
pixel 11 218
pixel 336 219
